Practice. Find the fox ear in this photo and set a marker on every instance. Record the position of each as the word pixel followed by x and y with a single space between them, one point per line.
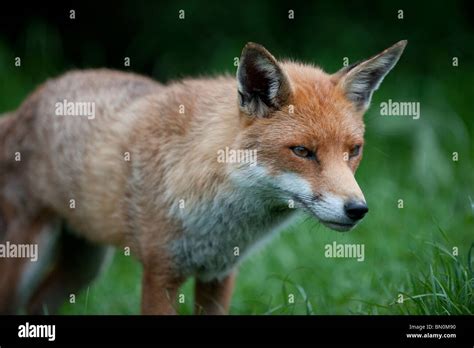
pixel 360 80
pixel 263 85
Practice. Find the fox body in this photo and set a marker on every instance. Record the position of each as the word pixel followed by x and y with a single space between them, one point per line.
pixel 143 172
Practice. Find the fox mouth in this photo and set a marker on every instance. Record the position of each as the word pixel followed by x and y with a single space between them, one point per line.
pixel 338 226
pixel 334 225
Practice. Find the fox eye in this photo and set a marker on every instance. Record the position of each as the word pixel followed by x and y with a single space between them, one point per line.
pixel 355 151
pixel 302 151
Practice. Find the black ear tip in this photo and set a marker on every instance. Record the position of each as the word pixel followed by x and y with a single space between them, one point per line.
pixel 251 44
pixel 254 47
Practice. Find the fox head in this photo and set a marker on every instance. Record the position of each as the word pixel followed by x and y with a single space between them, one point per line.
pixel 307 127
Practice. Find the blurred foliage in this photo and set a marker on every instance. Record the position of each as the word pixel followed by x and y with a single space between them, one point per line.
pixel 404 158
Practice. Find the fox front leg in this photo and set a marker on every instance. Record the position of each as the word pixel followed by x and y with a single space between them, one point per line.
pixel 213 298
pixel 159 290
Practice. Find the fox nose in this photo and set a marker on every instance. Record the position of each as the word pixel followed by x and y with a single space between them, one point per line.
pixel 356 210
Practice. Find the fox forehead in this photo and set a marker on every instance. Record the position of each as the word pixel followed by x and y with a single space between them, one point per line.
pixel 318 108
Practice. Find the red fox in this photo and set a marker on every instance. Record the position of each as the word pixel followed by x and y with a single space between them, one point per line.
pixel 104 158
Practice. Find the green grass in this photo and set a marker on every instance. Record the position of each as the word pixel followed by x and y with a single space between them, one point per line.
pixel 430 278
pixel 446 287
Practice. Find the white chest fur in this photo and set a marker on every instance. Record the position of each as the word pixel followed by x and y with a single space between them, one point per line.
pixel 218 234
